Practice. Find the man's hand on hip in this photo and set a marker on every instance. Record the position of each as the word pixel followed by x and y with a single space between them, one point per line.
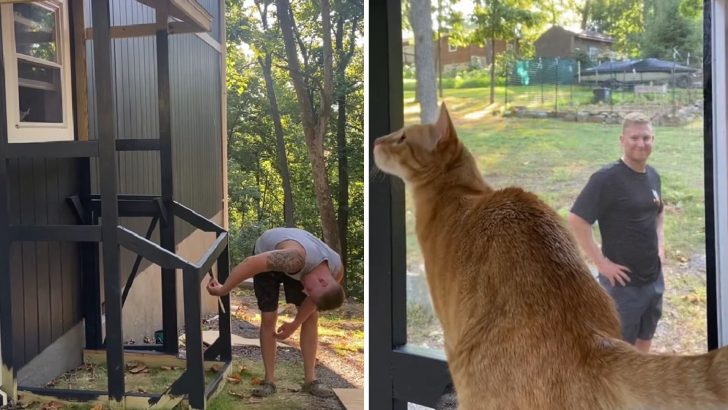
pixel 613 272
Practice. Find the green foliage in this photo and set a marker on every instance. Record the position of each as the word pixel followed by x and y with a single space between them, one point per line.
pixel 673 25
pixel 254 182
pixel 500 19
pixel 623 20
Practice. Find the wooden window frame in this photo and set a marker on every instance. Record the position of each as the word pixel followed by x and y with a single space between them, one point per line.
pixel 22 132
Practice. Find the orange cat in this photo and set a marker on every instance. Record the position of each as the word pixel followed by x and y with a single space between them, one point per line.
pixel 526 325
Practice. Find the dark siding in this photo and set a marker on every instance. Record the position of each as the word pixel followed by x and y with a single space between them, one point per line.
pixel 46 274
pixel 195 89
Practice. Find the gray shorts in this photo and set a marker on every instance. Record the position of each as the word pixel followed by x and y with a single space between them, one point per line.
pixel 640 307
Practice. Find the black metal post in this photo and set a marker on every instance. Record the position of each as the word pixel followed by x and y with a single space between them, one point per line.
pixel 166 230
pixel 385 105
pixel 506 87
pixel 223 271
pixel 193 334
pixel 7 366
pixel 540 76
pixel 710 250
pixel 556 107
pixel 109 194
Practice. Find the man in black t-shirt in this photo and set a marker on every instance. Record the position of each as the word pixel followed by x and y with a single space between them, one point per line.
pixel 625 199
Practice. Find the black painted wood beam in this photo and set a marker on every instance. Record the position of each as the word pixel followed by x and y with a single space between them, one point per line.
pixel 152 251
pixel 55 149
pixel 167 228
pixel 204 264
pixel 137 145
pixel 195 219
pixel 109 207
pixel 193 339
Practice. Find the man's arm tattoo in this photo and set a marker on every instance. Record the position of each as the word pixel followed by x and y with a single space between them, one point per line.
pixel 288 261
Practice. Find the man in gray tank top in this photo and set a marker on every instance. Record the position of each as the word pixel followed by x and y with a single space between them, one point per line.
pixel 310 272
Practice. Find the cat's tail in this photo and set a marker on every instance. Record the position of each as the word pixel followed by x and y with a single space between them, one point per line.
pixel 649 381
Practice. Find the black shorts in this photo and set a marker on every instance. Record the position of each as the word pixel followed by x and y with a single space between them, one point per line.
pixel 639 307
pixel 267 285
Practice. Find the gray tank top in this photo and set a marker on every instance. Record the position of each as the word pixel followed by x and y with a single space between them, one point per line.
pixel 316 250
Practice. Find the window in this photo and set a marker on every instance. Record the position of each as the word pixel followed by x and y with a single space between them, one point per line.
pixel 593 53
pixel 451 48
pixel 37 71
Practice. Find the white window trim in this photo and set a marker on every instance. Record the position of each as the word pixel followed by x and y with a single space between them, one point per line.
pixel 451 48
pixel 30 131
pixel 719 52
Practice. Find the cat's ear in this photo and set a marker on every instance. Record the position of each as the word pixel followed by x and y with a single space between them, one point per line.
pixel 444 129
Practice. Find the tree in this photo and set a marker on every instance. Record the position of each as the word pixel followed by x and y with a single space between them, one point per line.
pixel 349 15
pixel 497 20
pixel 622 20
pixel 420 16
pixel 266 63
pixel 669 30
pixel 314 122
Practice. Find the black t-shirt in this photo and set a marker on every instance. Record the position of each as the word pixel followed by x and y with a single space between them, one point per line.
pixel 625 203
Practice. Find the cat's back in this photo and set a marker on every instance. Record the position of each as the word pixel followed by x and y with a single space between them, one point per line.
pixel 515 214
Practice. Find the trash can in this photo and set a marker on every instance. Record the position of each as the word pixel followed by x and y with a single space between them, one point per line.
pixel 602 94
pixel 159 337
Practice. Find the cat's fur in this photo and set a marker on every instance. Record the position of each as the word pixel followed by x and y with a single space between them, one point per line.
pixel 526 326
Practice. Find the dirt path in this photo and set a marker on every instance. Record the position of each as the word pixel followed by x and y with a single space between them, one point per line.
pixel 340 361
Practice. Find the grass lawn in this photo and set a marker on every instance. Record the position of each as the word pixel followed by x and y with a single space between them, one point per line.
pixel 554 159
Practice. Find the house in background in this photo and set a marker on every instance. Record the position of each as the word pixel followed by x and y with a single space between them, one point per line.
pixel 460 58
pixel 453 57
pixel 560 42
pixel 112 179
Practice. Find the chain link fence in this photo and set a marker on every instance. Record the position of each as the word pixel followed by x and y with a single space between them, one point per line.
pixel 562 87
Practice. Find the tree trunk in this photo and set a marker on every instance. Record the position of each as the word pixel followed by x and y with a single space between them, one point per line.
pixel 343 180
pixel 585 14
pixel 266 64
pixel 492 70
pixel 282 158
pixel 421 19
pixel 314 129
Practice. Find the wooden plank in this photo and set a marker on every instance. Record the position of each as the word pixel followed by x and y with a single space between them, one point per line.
pixel 210 41
pixel 26 398
pixel 134 30
pixel 189 11
pixel 91 398
pixel 79 65
pixel 352 399
pixel 150 359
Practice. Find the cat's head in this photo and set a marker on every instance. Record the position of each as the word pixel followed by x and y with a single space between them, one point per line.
pixel 418 150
